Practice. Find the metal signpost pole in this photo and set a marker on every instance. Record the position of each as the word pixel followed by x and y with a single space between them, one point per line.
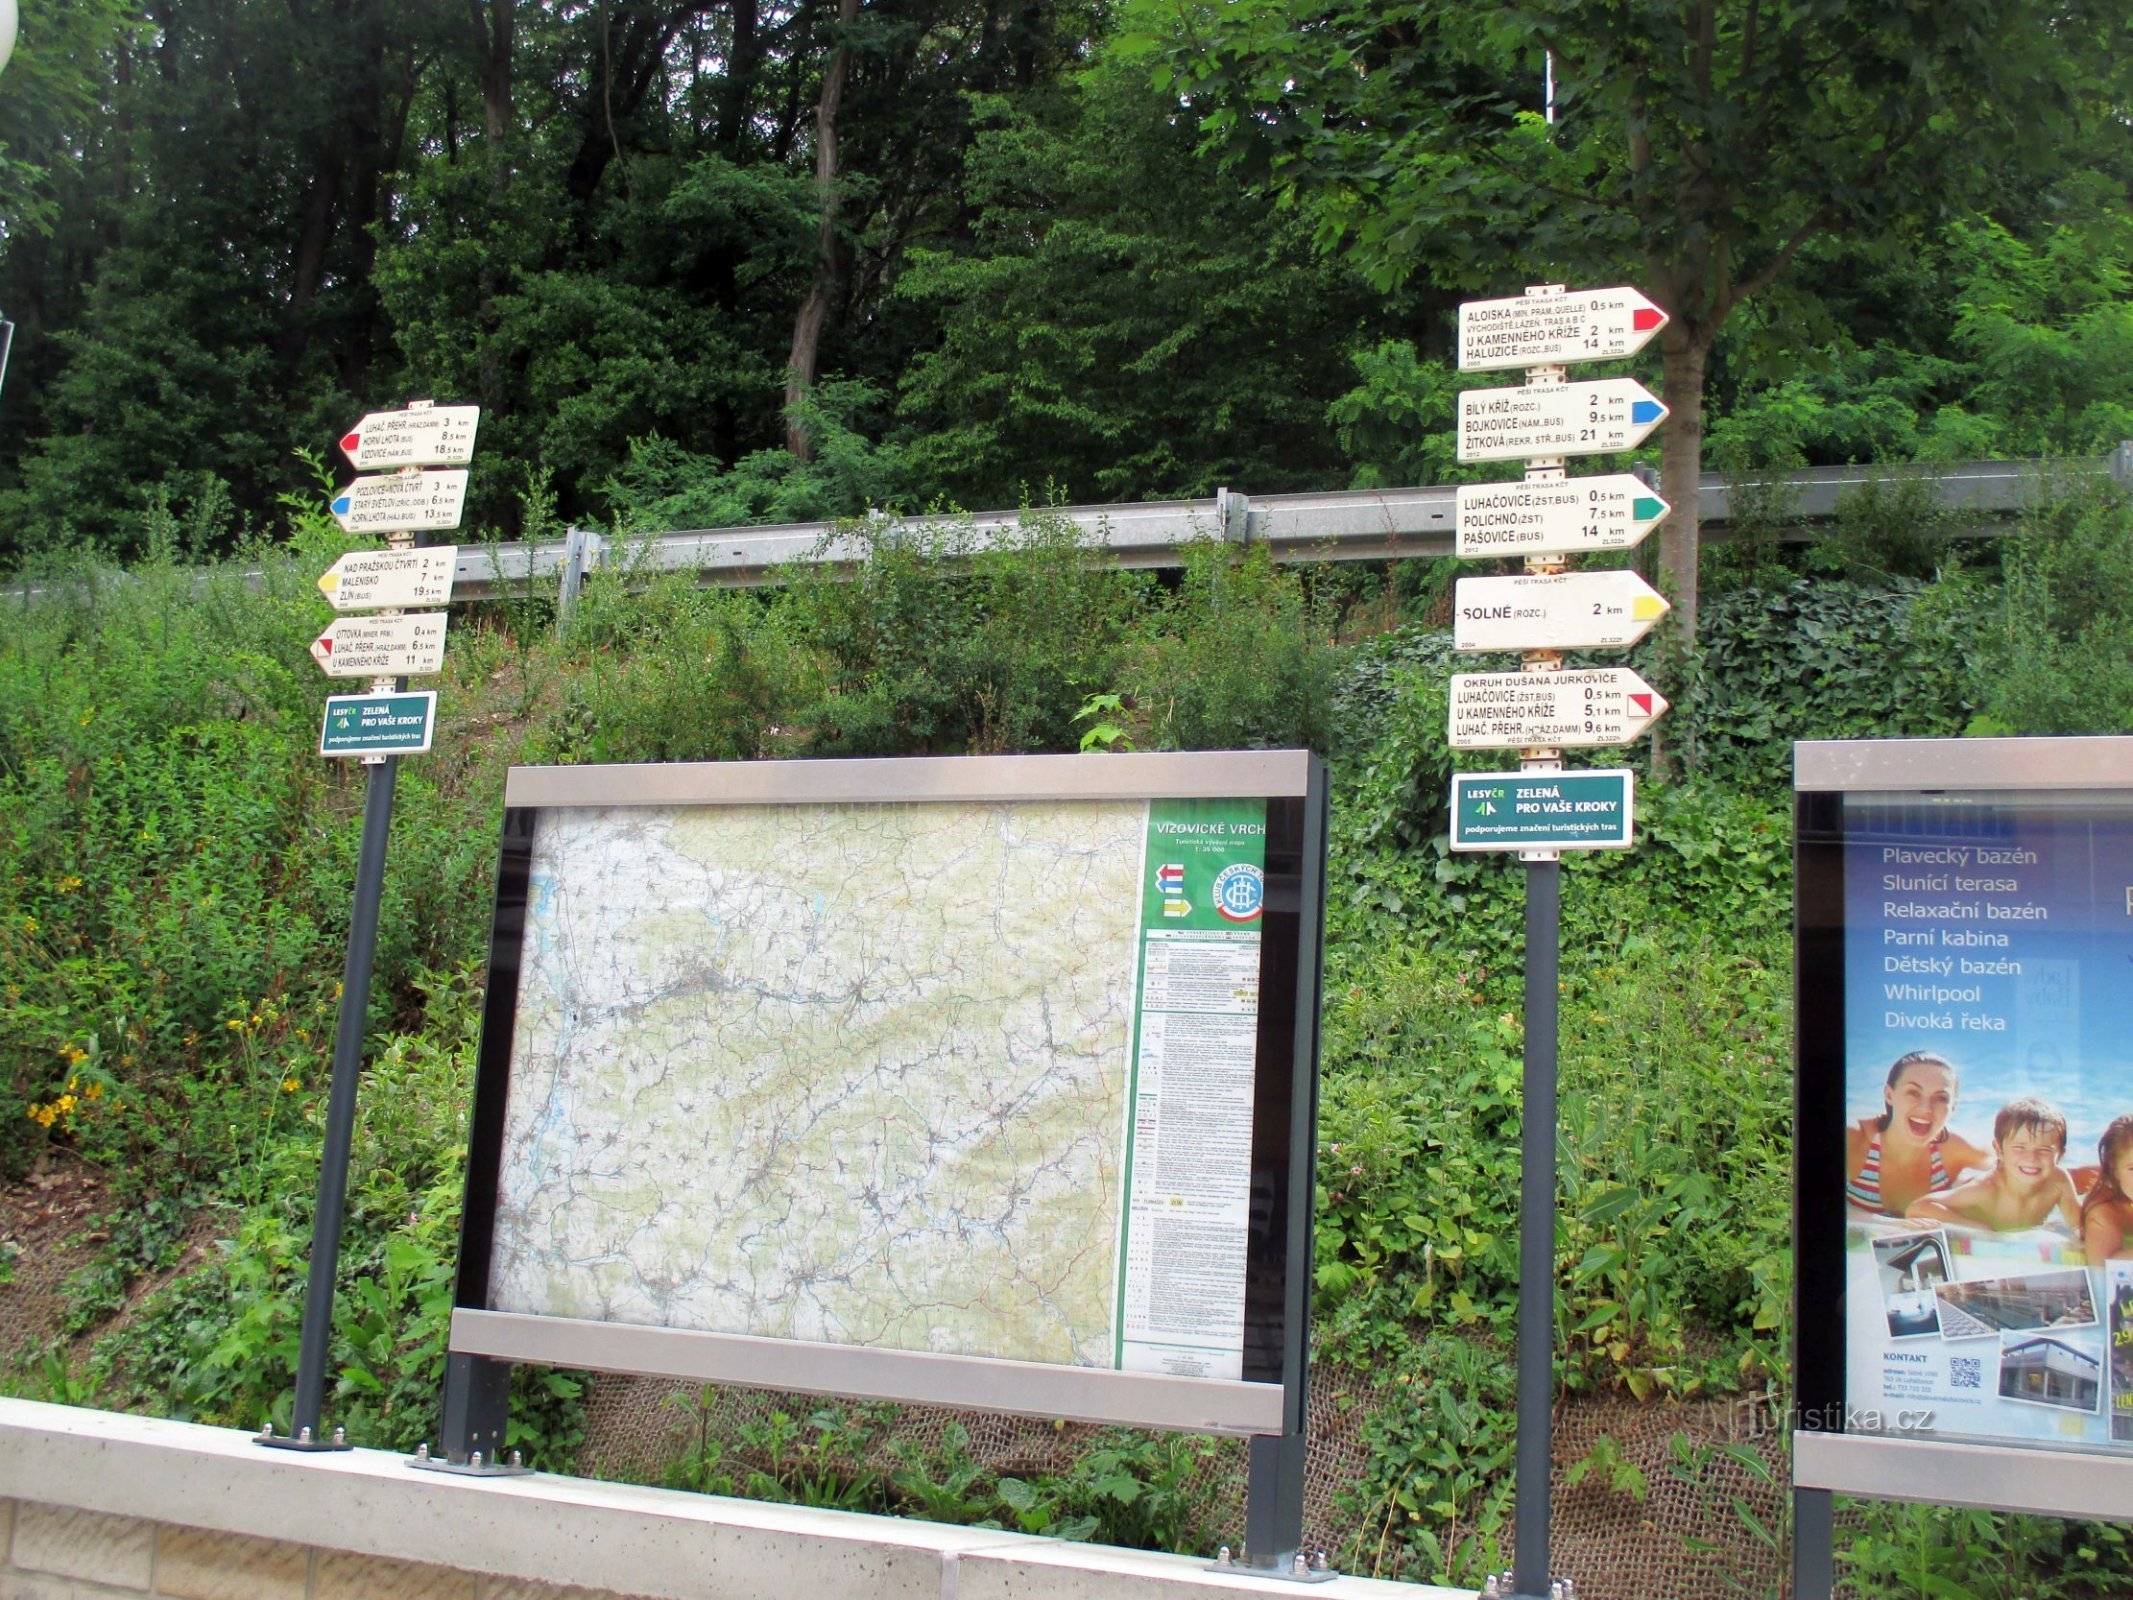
pixel 1539 710
pixel 1814 1544
pixel 376 728
pixel 1536 1233
pixel 306 1427
pixel 1536 1189
pixel 341 1104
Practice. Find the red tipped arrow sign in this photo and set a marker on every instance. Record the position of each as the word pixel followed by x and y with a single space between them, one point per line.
pixel 426 436
pixel 1550 330
pixel 381 647
pixel 1551 710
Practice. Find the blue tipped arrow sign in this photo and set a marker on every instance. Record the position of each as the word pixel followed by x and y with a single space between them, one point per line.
pixel 402 500
pixel 1556 419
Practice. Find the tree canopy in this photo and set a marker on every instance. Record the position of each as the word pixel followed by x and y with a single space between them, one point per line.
pixel 975 250
pixel 1698 146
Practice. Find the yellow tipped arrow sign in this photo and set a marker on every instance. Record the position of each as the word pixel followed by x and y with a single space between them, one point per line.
pixel 1562 611
pixel 365 580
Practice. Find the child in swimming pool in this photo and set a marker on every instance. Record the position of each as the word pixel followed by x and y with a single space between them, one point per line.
pixel 2107 1212
pixel 2023 1187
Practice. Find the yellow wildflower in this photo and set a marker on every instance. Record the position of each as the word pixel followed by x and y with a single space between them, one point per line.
pixel 69 884
pixel 95 1091
pixel 289 1086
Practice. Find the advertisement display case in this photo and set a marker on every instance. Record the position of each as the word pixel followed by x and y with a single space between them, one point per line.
pixel 1964 1209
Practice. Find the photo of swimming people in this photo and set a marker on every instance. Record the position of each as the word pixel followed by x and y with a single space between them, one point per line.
pixel 1988 1162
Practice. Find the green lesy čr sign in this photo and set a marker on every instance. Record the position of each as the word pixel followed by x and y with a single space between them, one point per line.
pixel 378 724
pixel 1588 810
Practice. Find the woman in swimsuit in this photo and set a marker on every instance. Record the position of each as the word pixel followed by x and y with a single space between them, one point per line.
pixel 1908 1151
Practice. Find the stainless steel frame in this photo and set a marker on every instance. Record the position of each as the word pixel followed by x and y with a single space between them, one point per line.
pixel 1196 1405
pixel 1210 775
pixel 2001 1477
pixel 1882 765
pixel 2054 1483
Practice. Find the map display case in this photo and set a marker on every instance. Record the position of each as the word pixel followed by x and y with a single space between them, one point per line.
pixel 982 1081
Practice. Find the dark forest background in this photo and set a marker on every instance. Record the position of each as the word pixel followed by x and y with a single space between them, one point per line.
pixel 721 260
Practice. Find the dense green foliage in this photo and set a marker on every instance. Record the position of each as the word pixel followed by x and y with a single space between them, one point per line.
pixel 1061 251
pixel 606 227
pixel 173 894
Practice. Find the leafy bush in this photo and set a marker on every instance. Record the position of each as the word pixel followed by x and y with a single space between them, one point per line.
pixel 2054 645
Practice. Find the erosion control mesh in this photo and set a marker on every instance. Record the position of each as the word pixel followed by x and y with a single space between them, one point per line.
pixel 1689 1535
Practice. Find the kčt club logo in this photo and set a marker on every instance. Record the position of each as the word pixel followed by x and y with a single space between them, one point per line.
pixel 1240 892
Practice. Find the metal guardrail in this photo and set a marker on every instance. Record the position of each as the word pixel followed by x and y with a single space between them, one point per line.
pixel 1354 525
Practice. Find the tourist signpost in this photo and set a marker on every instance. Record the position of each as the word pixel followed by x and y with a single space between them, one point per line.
pixel 1555 516
pixel 381 647
pixel 374 580
pixel 1549 330
pixel 1556 419
pixel 376 727
pixel 1560 710
pixel 402 502
pixel 420 436
pixel 1568 611
pixel 1543 710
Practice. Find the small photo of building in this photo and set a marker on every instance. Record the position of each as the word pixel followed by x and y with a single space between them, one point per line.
pixel 1910 1267
pixel 2050 1372
pixel 2016 1305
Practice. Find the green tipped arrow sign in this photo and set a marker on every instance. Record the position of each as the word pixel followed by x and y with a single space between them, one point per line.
pixel 1556 516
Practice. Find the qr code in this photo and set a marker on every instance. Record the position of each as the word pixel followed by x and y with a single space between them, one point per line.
pixel 1966 1372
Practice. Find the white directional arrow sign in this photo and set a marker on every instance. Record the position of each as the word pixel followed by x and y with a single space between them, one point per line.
pixel 1546 330
pixel 1556 419
pixel 381 647
pixel 1561 710
pixel 402 500
pixel 432 436
pixel 1558 611
pixel 1554 516
pixel 371 580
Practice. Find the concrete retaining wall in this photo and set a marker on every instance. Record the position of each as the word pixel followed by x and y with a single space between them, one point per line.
pixel 96 1504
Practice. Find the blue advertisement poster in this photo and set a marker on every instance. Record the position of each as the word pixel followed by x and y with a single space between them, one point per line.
pixel 1988 1022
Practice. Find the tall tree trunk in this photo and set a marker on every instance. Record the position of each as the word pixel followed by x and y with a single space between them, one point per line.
pixel 1685 351
pixel 494 31
pixel 498 36
pixel 744 60
pixel 366 178
pixel 814 310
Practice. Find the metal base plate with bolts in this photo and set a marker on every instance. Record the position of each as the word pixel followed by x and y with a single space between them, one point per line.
pixel 301 1440
pixel 1300 1568
pixel 1502 1586
pixel 513 1466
